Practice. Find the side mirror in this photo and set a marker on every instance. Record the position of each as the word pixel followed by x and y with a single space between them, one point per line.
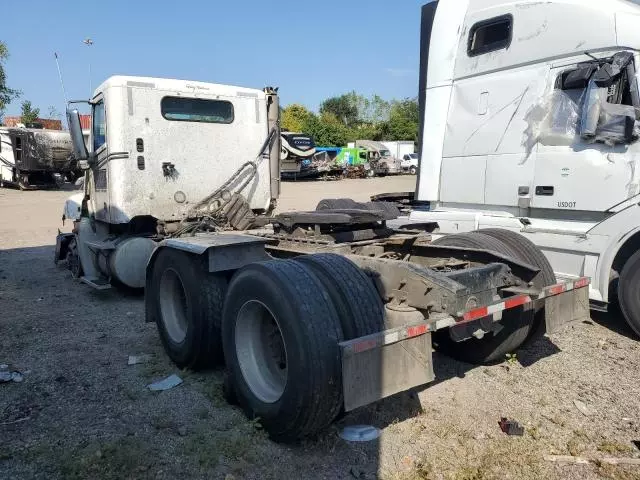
pixel 77 140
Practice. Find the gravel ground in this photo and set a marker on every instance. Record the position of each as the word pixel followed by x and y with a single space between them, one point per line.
pixel 81 412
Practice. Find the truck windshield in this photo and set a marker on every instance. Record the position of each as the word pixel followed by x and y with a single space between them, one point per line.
pixel 385 153
pixel 197 110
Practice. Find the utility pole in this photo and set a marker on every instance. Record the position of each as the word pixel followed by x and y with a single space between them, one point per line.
pixel 88 42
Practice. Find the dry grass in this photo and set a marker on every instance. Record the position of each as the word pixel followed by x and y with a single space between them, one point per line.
pixel 123 458
pixel 614 448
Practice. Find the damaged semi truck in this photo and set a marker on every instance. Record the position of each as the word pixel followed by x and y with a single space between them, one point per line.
pixel 312 313
pixel 31 158
pixel 300 159
pixel 529 123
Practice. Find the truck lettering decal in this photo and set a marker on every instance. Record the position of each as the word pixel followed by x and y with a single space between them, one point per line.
pixel 566 204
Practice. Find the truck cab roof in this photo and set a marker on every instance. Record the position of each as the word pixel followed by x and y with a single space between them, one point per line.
pixel 176 85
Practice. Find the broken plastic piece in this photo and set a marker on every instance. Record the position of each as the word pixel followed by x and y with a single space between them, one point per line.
pixel 165 384
pixel 511 427
pixel 584 409
pixel 594 98
pixel 136 359
pixel 577 78
pixel 553 120
pixel 609 73
pixel 359 433
pixel 6 376
pixel 617 124
pixel 562 122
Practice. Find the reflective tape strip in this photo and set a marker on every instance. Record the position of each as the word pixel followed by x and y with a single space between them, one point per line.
pixel 394 335
pixel 365 345
pixel 565 287
pixel 518 300
pixel 582 282
pixel 391 337
pixel 417 330
pixel 482 312
pixel 555 290
pixel 386 337
pixel 475 314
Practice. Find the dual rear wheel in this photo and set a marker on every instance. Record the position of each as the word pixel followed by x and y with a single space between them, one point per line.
pixel 278 323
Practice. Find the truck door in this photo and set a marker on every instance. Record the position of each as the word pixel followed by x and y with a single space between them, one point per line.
pixel 483 159
pixel 100 149
pixel 593 174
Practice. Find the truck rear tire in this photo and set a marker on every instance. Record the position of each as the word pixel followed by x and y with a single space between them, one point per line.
pixel 516 323
pixel 527 251
pixel 352 292
pixel 389 209
pixel 280 334
pixel 187 305
pixel 629 292
pixel 336 204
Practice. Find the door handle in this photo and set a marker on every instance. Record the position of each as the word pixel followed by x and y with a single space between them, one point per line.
pixel 544 190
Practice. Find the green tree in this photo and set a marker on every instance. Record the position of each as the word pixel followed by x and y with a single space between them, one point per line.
pixel 294 118
pixel 6 94
pixel 327 130
pixel 351 116
pixel 344 108
pixel 404 120
pixel 371 110
pixel 29 114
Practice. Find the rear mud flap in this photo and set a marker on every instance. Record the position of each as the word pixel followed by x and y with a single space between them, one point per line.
pixel 568 307
pixel 385 363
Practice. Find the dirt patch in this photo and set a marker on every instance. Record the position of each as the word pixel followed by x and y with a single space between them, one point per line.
pixel 82 412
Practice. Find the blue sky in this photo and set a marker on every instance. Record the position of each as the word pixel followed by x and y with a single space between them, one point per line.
pixel 311 50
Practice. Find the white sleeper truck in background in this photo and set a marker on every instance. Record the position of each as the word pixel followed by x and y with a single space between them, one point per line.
pixel 529 123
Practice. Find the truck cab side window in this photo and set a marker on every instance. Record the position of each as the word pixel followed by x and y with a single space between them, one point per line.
pixel 490 35
pixel 99 125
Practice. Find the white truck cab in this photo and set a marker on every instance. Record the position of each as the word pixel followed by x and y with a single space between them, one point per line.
pixel 164 151
pixel 529 122
pixel 141 169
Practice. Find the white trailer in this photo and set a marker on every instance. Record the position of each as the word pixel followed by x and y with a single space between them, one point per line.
pixel 400 148
pixel 529 123
pixel 7 159
pixel 312 312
